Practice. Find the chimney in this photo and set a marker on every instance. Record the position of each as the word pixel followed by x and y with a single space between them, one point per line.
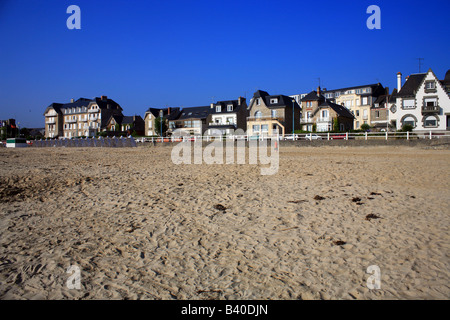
pixel 318 91
pixel 71 100
pixel 104 97
pixel 168 111
pixel 212 105
pixel 241 100
pixel 399 81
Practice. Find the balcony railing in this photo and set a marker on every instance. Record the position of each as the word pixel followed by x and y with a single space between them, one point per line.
pixel 71 121
pixel 222 124
pixel 93 110
pixel 265 119
pixel 307 120
pixel 50 121
pixel 430 109
pixel 324 120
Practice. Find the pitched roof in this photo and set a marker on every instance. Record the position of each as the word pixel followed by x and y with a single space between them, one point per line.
pixel 195 113
pixel 225 104
pixel 411 85
pixel 340 110
pixel 174 112
pixel 83 102
pixel 312 96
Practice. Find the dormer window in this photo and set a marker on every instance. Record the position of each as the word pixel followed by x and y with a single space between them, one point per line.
pixel 218 108
pixel 273 100
pixel 258 101
pixel 229 107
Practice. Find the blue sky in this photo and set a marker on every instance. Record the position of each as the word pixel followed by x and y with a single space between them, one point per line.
pixel 187 53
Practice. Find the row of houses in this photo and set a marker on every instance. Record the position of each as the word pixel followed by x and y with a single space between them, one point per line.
pixel 422 101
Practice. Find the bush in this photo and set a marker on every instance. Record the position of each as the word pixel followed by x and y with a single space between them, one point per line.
pixel 407 127
pixel 365 127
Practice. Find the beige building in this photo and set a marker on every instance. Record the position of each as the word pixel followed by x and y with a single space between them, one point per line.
pixel 150 119
pixel 359 100
pixel 270 115
pixel 84 117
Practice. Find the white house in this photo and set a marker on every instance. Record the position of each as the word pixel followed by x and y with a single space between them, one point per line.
pixel 423 101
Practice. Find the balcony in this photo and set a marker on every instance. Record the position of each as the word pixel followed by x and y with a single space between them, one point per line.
pixel 222 124
pixel 324 120
pixel 430 109
pixel 265 119
pixel 306 120
pixel 93 110
pixel 71 121
pixel 50 121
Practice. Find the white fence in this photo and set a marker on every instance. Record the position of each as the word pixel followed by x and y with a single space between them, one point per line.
pixel 87 143
pixel 309 136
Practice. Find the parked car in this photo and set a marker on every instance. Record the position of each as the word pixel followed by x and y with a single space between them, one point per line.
pixel 313 136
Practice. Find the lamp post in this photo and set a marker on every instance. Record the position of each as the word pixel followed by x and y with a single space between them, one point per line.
pixel 160 124
pixel 293 121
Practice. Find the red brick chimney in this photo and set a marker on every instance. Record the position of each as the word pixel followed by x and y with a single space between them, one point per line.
pixel 168 111
pixel 318 91
pixel 104 97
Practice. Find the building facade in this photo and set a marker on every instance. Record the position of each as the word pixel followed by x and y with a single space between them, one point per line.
pixel 227 116
pixel 152 114
pixel 83 117
pixel 423 102
pixel 321 115
pixel 270 115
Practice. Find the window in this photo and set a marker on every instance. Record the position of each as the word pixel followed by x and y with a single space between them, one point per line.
pixel 408 104
pixel 358 102
pixel 409 120
pixel 218 109
pixel 150 124
pixel 357 124
pixel 377 114
pixel 357 113
pixel 265 128
pixel 230 120
pixel 430 102
pixel 273 100
pixel 430 122
pixel 273 113
pixel 258 101
pixel 324 113
pixel 230 107
pixel 258 114
pixel 364 101
pixel 255 128
pixel 430 85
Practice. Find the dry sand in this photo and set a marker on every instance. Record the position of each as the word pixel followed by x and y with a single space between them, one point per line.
pixel 140 227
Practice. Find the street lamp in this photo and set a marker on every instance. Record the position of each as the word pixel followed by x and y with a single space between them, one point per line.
pixel 293 121
pixel 160 124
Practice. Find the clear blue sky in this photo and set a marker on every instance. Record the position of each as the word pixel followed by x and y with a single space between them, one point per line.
pixel 183 53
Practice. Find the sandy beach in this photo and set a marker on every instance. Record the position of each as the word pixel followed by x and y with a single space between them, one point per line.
pixel 140 227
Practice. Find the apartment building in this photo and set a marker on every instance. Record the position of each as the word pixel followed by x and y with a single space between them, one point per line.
pixel 193 120
pixel 83 117
pixel 322 115
pixel 128 124
pixel 227 116
pixel 272 114
pixel 359 100
pixel 169 114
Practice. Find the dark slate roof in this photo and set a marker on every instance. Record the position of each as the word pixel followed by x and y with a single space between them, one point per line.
pixel 340 110
pixel 283 101
pixel 174 112
pixel 260 94
pixel 83 102
pixel 225 104
pixel 195 113
pixel 411 85
pixel 312 96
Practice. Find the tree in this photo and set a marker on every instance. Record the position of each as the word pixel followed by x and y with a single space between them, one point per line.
pixel 158 125
pixel 336 124
pixel 365 127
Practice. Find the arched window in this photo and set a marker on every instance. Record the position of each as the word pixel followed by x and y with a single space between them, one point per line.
pixel 409 119
pixel 258 114
pixel 430 121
